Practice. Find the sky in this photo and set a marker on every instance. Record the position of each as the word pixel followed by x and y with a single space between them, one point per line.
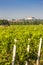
pixel 12 9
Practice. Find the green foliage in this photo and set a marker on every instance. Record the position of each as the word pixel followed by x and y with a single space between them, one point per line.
pixel 4 22
pixel 22 22
pixel 22 33
pixel 27 22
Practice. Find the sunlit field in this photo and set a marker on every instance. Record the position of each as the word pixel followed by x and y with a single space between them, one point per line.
pixel 25 34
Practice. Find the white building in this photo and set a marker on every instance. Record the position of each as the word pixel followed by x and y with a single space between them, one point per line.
pixel 30 18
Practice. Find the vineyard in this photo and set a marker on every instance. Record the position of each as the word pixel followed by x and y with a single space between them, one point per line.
pixel 25 34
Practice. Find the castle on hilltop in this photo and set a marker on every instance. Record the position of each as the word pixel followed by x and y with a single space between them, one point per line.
pixel 30 18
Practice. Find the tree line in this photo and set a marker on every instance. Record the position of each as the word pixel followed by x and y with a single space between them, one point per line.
pixel 21 22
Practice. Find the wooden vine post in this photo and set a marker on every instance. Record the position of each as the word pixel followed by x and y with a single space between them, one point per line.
pixel 38 59
pixel 28 47
pixel 14 53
